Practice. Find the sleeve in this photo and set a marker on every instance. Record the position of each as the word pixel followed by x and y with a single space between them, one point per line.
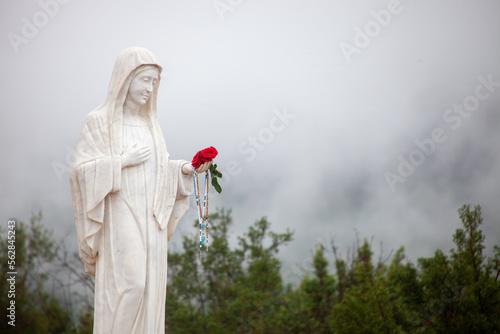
pixel 184 188
pixel 94 173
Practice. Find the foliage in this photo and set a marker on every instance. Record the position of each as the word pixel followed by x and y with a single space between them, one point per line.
pixel 462 291
pixel 230 289
pixel 238 288
pixel 36 310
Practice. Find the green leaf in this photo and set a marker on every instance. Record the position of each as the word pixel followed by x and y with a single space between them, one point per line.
pixel 214 174
pixel 214 171
pixel 216 185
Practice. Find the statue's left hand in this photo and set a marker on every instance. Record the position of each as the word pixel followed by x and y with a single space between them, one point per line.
pixel 188 168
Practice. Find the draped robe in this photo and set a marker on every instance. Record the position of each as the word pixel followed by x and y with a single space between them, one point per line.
pixel 125 216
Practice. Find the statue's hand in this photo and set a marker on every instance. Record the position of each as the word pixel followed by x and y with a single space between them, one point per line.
pixel 134 155
pixel 188 168
pixel 204 167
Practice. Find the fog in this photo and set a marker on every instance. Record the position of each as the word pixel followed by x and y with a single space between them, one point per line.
pixel 330 117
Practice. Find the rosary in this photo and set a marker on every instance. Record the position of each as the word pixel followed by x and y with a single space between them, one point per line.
pixel 203 156
pixel 202 212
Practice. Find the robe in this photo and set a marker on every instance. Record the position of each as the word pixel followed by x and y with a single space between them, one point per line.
pixel 125 216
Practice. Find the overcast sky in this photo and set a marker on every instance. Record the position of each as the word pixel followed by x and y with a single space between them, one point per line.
pixel 330 117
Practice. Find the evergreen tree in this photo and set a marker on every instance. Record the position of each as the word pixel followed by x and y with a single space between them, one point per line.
pixel 366 306
pixel 240 290
pixel 462 292
pixel 232 289
pixel 406 292
pixel 320 294
pixel 36 310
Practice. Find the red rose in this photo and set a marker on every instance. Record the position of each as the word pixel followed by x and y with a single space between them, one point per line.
pixel 204 155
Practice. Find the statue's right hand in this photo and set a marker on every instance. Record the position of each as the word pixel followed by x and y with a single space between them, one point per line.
pixel 135 154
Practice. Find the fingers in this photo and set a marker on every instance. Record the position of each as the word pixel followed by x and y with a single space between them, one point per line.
pixel 144 150
pixel 137 154
pixel 144 153
pixel 204 167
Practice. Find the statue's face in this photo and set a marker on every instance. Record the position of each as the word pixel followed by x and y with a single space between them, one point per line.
pixel 142 86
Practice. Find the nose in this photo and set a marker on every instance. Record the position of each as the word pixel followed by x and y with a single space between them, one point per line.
pixel 149 87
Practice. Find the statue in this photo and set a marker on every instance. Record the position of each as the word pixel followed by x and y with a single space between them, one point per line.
pixel 128 197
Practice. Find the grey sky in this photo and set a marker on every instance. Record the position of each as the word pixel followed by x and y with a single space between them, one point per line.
pixel 321 170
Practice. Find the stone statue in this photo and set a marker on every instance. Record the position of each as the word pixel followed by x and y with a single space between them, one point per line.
pixel 128 197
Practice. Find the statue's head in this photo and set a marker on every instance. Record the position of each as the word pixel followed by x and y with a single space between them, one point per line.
pixel 130 64
pixel 144 82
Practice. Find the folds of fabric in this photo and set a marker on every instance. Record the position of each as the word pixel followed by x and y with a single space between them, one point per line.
pixel 125 216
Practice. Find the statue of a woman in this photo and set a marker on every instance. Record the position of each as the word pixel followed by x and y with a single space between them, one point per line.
pixel 128 197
